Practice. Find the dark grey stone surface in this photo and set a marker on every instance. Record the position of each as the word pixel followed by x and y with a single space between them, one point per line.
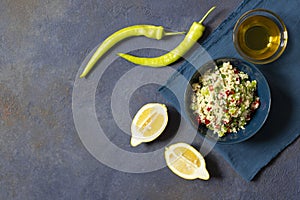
pixel 42 45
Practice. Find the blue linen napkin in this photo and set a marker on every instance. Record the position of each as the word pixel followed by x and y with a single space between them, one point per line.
pixel 283 124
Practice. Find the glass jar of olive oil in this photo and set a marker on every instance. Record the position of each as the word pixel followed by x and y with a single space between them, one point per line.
pixel 260 36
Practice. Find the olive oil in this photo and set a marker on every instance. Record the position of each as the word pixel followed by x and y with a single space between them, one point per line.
pixel 258 37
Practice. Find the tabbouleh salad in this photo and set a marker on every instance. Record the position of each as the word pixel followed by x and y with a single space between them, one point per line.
pixel 224 99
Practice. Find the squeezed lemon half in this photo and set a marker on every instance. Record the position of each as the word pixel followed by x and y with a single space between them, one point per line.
pixel 148 123
pixel 186 162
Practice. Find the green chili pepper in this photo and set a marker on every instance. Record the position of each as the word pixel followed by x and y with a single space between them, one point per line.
pixel 190 39
pixel 150 31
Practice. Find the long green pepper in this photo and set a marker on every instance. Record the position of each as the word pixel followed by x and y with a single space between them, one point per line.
pixel 150 31
pixel 194 34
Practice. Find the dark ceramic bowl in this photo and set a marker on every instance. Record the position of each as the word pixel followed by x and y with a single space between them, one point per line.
pixel 259 116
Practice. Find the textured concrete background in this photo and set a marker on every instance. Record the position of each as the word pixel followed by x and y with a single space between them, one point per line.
pixel 42 45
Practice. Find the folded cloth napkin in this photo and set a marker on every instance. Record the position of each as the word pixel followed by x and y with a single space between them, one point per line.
pixel 283 124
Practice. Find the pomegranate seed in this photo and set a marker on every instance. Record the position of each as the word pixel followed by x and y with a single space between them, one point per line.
pixel 227 92
pixel 206 121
